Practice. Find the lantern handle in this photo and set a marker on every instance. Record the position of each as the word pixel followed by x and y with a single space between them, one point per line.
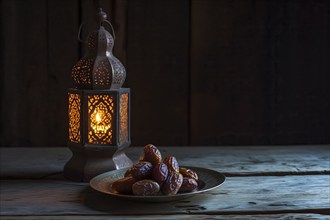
pixel 113 31
pixel 79 32
pixel 101 18
pixel 82 24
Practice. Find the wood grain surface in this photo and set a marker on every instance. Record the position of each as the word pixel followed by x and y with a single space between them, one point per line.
pixel 158 64
pixel 291 216
pixel 233 161
pixel 276 183
pixel 257 194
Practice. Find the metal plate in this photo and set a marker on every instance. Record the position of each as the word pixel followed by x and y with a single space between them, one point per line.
pixel 209 180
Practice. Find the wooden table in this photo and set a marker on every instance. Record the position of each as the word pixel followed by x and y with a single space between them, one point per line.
pixel 271 182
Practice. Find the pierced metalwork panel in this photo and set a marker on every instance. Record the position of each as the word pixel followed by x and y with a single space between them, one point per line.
pixel 119 73
pixel 92 40
pixel 102 71
pixel 100 113
pixel 81 72
pixel 123 117
pixel 74 117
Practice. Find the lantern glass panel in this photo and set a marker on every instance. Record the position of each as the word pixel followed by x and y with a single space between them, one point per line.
pixel 123 117
pixel 101 115
pixel 74 117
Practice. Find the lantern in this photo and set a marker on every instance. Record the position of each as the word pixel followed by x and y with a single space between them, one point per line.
pixel 99 109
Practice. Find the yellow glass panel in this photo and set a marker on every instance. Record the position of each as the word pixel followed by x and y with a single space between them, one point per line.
pixel 123 115
pixel 100 111
pixel 74 118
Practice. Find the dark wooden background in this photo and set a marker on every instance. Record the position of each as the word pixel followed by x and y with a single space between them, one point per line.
pixel 202 72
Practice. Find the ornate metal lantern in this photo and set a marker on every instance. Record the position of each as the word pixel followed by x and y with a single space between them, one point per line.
pixel 99 109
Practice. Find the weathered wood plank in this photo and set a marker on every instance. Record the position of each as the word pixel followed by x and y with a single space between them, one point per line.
pixel 256 77
pixel 249 195
pixel 32 162
pixel 299 77
pixel 40 162
pixel 257 68
pixel 225 70
pixel 257 160
pixel 119 22
pixel 181 217
pixel 24 76
pixel 62 26
pixel 157 66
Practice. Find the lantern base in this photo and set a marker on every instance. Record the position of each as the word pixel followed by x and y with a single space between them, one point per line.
pixel 89 162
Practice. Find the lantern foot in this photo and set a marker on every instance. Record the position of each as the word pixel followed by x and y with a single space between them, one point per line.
pixel 88 163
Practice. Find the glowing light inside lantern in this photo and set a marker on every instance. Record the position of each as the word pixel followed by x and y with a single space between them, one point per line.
pixel 98 117
pixel 101 124
pixel 101 111
pixel 74 117
pixel 123 115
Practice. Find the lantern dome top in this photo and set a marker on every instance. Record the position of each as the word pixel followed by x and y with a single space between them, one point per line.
pixel 101 16
pixel 99 68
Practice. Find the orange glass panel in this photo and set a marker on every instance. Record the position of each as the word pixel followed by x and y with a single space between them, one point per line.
pixel 74 117
pixel 100 111
pixel 123 115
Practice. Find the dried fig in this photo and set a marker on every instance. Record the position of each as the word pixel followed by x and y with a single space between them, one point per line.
pixel 172 163
pixel 188 173
pixel 188 185
pixel 172 184
pixel 160 172
pixel 124 185
pixel 145 187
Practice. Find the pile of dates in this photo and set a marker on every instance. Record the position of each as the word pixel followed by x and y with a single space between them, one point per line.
pixel 153 176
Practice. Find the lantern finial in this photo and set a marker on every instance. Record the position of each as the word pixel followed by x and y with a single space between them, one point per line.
pixel 101 16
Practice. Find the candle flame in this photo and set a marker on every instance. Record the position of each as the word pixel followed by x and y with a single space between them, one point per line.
pixel 99 122
pixel 98 117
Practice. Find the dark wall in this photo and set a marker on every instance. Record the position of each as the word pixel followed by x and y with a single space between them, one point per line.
pixel 202 72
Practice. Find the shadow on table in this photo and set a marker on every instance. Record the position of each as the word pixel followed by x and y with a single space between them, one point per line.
pixel 106 203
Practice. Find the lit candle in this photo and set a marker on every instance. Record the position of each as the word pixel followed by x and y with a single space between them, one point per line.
pixel 98 117
pixel 99 122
